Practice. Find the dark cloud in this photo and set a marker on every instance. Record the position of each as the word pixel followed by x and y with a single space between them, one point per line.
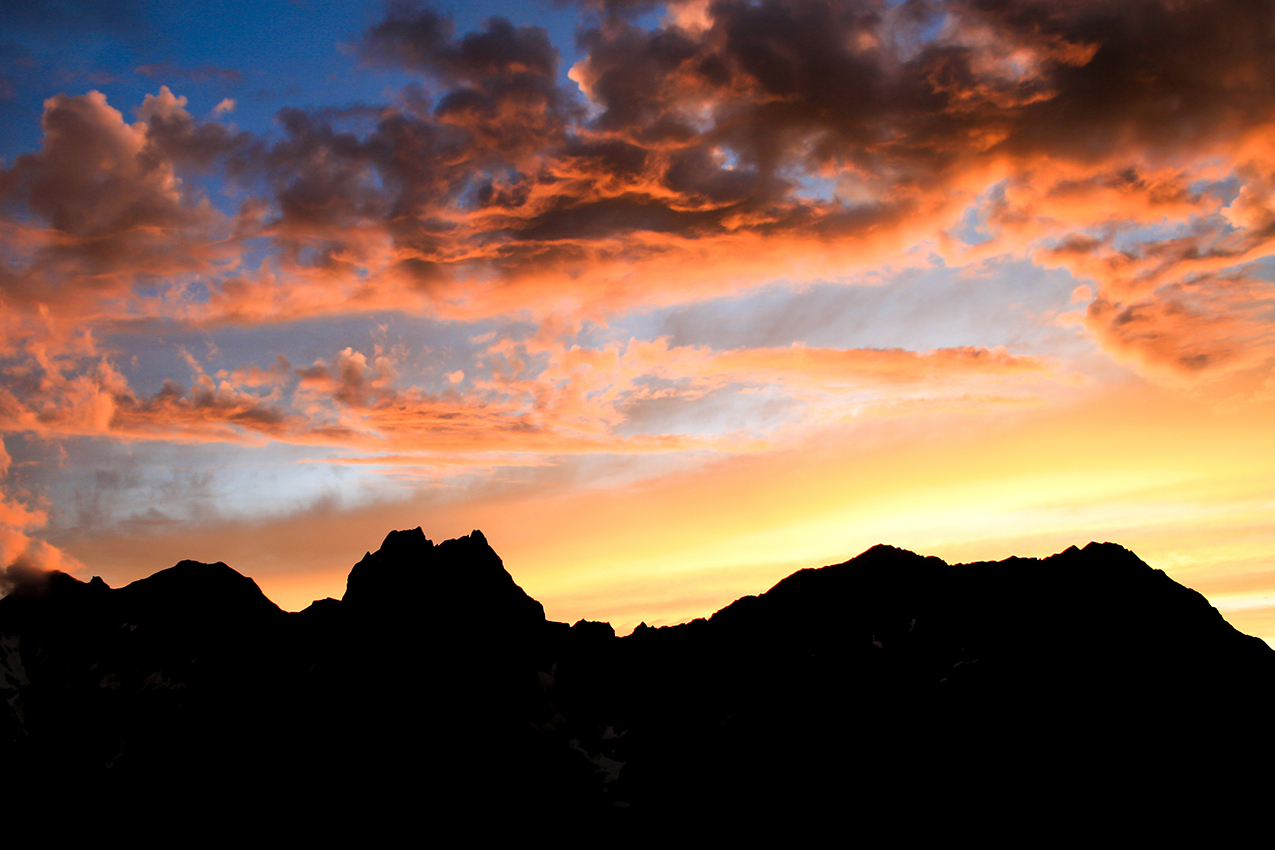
pixel 410 37
pixel 500 84
pixel 921 86
pixel 109 193
pixel 817 120
pixel 1162 74
pixel 696 130
pixel 422 39
pixel 637 76
pixel 618 8
pixel 325 184
pixel 89 180
pixel 23 578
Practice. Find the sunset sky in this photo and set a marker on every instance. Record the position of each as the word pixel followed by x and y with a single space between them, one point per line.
pixel 668 299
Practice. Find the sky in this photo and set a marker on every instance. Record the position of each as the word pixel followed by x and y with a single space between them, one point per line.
pixel 668 299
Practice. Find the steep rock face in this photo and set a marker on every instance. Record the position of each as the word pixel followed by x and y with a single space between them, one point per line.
pixel 432 659
pixel 992 696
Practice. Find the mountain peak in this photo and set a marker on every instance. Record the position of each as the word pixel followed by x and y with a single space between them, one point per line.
pixel 196 589
pixel 406 540
pixel 458 578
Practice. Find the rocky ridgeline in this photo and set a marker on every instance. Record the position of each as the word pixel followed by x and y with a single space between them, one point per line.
pixel 893 694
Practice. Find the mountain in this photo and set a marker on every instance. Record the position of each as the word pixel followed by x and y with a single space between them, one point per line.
pixel 893 694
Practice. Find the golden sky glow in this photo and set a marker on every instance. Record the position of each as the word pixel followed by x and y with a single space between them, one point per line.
pixel 668 300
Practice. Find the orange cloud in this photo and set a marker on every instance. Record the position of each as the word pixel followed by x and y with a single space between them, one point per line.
pixel 540 396
pixel 701 134
pixel 23 558
pixel 1210 325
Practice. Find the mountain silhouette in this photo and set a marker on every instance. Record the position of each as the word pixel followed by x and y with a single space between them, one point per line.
pixel 893 692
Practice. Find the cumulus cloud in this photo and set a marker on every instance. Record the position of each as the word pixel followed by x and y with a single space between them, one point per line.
pixel 101 209
pixel 88 180
pixel 707 131
pixel 720 143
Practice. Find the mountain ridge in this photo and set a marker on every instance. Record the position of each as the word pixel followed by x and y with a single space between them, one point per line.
pixel 949 678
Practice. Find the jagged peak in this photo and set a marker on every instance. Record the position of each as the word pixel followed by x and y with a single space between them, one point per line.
pixel 410 538
pixel 460 574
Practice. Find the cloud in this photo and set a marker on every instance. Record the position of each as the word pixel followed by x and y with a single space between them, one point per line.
pixel 730 145
pixel 351 380
pixel 704 139
pixel 23 579
pixel 105 206
pixel 423 39
pixel 1202 327
pixel 96 400
pixel 703 142
pixel 522 398
pixel 24 560
pixel 279 372
pixel 720 144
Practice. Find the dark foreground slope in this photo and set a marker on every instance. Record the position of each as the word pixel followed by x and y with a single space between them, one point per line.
pixel 893 694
